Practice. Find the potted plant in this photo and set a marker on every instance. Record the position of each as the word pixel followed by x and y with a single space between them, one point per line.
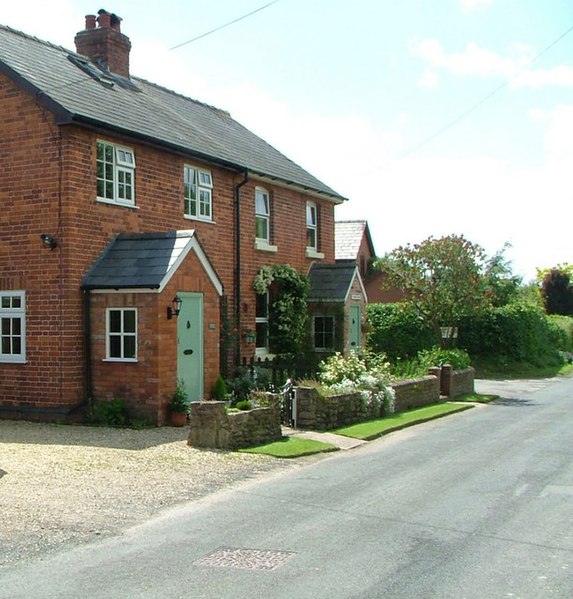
pixel 178 406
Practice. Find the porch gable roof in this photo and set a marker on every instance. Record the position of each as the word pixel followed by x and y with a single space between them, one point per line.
pixel 145 261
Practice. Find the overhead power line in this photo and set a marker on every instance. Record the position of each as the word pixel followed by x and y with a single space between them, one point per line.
pixel 483 100
pixel 223 26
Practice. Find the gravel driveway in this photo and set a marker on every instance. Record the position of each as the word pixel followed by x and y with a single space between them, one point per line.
pixel 71 484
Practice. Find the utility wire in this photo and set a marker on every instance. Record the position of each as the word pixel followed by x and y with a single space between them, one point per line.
pixel 223 26
pixel 483 100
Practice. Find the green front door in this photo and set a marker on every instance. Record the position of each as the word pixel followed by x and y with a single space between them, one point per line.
pixel 354 327
pixel 190 344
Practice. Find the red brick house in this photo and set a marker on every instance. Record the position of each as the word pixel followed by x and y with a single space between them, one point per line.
pixel 133 223
pixel 353 244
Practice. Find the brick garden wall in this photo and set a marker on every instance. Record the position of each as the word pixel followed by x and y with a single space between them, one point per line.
pixel 416 393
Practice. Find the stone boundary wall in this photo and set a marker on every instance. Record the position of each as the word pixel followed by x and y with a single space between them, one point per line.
pixel 415 393
pixel 211 426
pixel 325 413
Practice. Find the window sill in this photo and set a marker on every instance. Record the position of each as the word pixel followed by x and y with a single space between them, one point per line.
pixel 264 246
pixel 13 361
pixel 121 360
pixel 120 204
pixel 312 253
pixel 199 219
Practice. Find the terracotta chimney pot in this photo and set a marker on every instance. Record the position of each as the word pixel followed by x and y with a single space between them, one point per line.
pixel 90 21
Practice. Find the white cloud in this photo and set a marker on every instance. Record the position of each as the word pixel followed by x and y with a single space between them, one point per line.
pixel 472 61
pixel 469 5
pixel 429 79
pixel 560 75
pixel 558 141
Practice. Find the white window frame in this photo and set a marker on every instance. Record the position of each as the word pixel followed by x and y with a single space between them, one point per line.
pixel 122 174
pixel 312 226
pixel 13 326
pixel 263 320
pixel 122 334
pixel 197 206
pixel 323 317
pixel 262 214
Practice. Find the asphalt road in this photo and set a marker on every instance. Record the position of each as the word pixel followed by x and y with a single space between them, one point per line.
pixel 476 505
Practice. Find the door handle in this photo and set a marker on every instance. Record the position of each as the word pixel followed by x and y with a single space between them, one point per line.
pixel 188 352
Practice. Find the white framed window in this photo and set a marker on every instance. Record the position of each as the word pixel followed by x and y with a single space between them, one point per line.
pixel 323 332
pixel 311 226
pixel 262 214
pixel 262 323
pixel 12 326
pixel 121 334
pixel 115 174
pixel 198 186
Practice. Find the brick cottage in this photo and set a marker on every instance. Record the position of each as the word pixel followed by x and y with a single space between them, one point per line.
pixel 133 223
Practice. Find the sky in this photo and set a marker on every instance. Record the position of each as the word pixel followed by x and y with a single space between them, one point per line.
pixel 433 117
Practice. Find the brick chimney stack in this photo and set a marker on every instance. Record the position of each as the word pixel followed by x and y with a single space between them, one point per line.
pixel 102 40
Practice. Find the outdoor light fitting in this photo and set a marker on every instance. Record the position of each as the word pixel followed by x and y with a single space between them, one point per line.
pixel 49 241
pixel 174 308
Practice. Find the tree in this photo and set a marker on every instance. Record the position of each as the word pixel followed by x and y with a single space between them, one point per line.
pixel 444 280
pixel 556 289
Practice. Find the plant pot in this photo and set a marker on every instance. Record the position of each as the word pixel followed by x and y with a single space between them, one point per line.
pixel 177 418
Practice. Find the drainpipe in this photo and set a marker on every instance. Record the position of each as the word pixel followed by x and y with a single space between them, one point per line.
pixel 237 278
pixel 87 347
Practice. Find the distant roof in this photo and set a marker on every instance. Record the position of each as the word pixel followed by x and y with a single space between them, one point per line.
pixel 331 282
pixel 78 92
pixel 145 261
pixel 348 235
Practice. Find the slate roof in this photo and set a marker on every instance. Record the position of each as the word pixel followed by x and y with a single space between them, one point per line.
pixel 348 235
pixel 331 282
pixel 142 109
pixel 143 260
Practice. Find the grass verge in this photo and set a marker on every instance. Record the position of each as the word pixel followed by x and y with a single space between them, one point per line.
pixel 291 447
pixel 477 397
pixel 381 426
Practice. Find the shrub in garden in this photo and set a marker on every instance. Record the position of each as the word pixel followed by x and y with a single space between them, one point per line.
pixel 369 375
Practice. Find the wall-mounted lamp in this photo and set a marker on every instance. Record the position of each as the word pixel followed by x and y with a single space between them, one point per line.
pixel 49 241
pixel 174 308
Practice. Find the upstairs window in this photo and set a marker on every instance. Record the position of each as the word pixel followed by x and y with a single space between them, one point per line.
pixel 262 214
pixel 121 337
pixel 311 226
pixel 115 174
pixel 198 193
pixel 12 326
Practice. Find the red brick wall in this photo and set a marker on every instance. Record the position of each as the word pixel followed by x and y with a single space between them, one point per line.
pixel 48 185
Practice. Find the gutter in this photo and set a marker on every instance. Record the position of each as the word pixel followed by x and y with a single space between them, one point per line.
pixel 87 347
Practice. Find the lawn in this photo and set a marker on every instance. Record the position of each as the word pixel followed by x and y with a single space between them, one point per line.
pixel 477 397
pixel 381 426
pixel 291 447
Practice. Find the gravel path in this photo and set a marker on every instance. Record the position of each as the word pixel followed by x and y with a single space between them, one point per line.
pixel 72 484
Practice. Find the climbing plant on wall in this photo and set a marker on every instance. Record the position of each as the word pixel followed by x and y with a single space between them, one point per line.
pixel 288 292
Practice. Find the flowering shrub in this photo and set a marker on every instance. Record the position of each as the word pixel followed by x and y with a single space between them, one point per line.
pixel 369 375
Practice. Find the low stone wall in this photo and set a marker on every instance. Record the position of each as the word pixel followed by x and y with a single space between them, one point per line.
pixel 457 382
pixel 211 426
pixel 325 413
pixel 415 393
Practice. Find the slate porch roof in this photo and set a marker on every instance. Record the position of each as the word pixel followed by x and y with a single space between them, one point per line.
pixel 332 282
pixel 145 261
pixel 348 235
pixel 141 109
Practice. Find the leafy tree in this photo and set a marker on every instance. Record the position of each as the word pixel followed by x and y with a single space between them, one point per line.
pixel 444 279
pixel 557 289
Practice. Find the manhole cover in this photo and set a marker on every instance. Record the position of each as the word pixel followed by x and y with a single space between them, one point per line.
pixel 249 559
